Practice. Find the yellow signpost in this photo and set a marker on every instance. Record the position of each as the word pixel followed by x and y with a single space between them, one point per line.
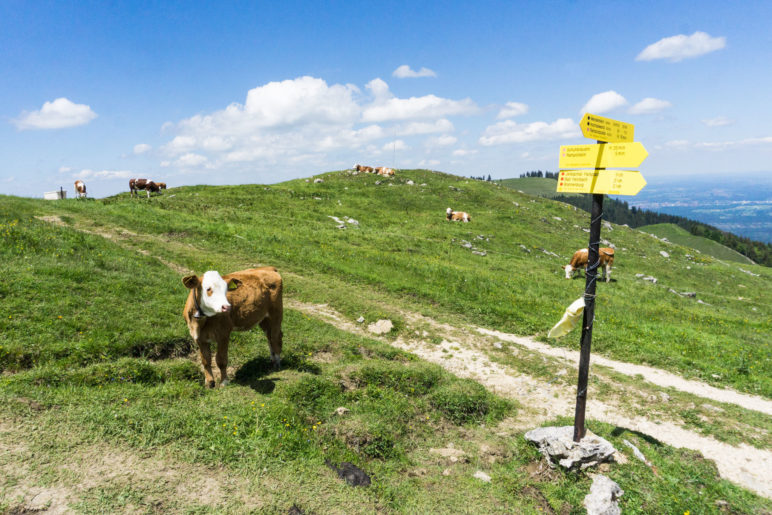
pixel 605 129
pixel 610 182
pixel 615 148
pixel 602 155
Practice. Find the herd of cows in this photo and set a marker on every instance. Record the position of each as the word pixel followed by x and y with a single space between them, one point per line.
pixel 134 186
pixel 218 305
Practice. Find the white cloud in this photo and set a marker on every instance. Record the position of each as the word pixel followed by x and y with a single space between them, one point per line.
pixel 682 144
pixel 680 47
pixel 104 174
pixel 59 114
pixel 64 169
pixel 603 102
pixel 386 107
pixel 428 162
pixel 141 148
pixel 724 145
pixel 678 144
pixel 190 160
pixel 512 132
pixel 441 141
pixel 512 109
pixel 395 145
pixel 719 121
pixel 404 72
pixel 441 125
pixel 304 121
pixel 298 101
pixel 464 152
pixel 649 106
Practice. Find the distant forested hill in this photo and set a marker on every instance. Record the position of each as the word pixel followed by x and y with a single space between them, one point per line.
pixel 621 213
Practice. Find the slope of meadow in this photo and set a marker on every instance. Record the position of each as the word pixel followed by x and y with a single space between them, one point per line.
pixel 403 247
pixel 681 236
pixel 95 355
pixel 538 186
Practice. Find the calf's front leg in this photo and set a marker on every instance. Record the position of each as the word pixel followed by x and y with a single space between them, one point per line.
pixel 222 361
pixel 206 361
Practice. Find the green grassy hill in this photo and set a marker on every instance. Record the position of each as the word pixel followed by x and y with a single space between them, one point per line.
pixel 682 237
pixel 538 186
pixel 94 351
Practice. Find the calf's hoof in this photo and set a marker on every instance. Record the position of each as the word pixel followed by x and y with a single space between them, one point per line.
pixel 210 384
pixel 224 383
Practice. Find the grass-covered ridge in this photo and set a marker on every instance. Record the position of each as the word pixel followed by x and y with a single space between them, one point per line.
pixel 404 248
pixel 681 236
pixel 96 355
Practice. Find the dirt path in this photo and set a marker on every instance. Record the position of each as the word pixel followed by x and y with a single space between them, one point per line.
pixel 745 465
pixel 650 374
pixel 460 353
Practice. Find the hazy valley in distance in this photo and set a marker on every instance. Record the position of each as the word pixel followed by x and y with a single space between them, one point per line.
pixel 740 203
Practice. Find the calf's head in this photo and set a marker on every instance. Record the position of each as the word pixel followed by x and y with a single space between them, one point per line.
pixel 210 292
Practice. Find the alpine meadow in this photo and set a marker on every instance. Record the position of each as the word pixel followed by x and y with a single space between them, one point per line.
pixel 104 407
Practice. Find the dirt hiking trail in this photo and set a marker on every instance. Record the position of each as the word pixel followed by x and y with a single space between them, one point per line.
pixel 464 352
pixel 460 354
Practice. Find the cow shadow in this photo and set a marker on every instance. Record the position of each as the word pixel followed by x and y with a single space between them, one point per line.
pixel 598 280
pixel 256 372
pixel 619 431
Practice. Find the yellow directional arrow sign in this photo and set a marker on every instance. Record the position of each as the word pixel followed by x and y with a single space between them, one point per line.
pixel 606 129
pixel 610 182
pixel 603 155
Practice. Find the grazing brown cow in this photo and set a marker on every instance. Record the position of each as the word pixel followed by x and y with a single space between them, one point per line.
pixel 80 189
pixel 152 187
pixel 161 185
pixel 218 305
pixel 582 256
pixel 143 184
pixel 136 184
pixel 457 216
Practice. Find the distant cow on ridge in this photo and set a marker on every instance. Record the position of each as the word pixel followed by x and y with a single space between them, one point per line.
pixel 80 189
pixel 144 184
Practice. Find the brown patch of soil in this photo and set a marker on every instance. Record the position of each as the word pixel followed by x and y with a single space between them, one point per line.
pixel 541 502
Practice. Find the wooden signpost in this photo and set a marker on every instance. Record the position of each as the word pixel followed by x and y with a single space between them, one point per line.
pixel 615 147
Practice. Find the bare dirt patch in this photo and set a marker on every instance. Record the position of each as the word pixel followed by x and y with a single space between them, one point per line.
pixel 33 482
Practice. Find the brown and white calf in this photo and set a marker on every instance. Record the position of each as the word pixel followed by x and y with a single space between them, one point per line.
pixel 80 189
pixel 161 185
pixel 457 216
pixel 218 305
pixel 581 257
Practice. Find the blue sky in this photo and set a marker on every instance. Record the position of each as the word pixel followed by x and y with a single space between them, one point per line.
pixel 228 93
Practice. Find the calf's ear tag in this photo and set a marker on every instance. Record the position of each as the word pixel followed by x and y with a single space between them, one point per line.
pixel 233 285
